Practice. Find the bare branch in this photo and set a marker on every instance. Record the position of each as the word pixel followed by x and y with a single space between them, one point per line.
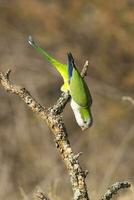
pixel 60 104
pixel 85 68
pixel 129 99
pixel 78 154
pixel 22 92
pixel 40 195
pixel 114 189
pixel 55 123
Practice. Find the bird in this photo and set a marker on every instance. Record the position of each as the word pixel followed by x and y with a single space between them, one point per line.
pixel 81 99
pixel 74 84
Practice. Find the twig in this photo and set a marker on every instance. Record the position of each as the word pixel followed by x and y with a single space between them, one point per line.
pixel 85 68
pixel 129 99
pixel 23 93
pixel 55 123
pixel 114 189
pixel 60 104
pixel 41 195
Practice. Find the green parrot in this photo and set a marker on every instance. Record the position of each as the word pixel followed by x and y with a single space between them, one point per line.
pixel 81 99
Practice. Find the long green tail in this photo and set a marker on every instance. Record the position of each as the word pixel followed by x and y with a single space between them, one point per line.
pixel 61 68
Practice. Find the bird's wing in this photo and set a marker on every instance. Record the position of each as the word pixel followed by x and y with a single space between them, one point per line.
pixel 79 90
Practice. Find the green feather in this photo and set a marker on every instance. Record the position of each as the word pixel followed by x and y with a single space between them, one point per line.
pixel 61 68
pixel 79 90
pixel 84 113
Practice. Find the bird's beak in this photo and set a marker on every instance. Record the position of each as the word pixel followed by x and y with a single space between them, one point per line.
pixel 83 128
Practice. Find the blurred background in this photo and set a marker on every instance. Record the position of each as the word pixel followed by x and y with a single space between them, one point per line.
pixel 99 31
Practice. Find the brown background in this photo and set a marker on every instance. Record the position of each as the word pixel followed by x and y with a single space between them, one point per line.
pixel 100 31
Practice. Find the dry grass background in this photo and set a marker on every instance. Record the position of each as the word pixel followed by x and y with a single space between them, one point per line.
pixel 100 31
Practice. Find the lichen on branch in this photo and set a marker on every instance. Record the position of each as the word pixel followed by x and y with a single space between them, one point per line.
pixel 55 122
pixel 114 189
pixel 52 116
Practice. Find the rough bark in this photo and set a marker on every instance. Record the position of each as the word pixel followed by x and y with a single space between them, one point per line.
pixel 52 116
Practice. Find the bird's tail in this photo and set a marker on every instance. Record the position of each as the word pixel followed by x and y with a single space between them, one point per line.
pixel 61 68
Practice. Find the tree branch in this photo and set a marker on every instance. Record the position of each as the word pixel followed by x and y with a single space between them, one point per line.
pixel 129 99
pixel 114 189
pixel 85 69
pixel 55 123
pixel 57 109
pixel 40 195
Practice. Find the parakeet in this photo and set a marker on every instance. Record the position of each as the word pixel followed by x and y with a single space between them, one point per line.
pixel 81 99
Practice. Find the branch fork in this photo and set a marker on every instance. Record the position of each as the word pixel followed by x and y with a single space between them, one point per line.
pixel 54 121
pixel 52 116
